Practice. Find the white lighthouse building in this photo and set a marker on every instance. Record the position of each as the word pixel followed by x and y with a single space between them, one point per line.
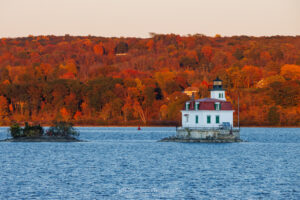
pixel 207 120
pixel 213 112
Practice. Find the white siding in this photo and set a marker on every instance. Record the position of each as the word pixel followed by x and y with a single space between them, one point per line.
pixel 215 94
pixel 224 116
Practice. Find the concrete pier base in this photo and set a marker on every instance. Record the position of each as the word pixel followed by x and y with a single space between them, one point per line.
pixel 205 135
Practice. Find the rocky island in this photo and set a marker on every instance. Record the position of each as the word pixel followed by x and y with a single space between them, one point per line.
pixel 58 132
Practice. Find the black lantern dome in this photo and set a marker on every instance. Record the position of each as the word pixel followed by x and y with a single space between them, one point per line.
pixel 217 84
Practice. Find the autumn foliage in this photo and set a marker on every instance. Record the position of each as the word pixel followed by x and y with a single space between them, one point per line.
pixel 129 81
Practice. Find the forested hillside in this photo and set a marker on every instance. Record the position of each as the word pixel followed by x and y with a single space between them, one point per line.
pixel 128 81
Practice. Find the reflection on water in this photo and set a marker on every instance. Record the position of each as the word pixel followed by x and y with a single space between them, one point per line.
pixel 120 163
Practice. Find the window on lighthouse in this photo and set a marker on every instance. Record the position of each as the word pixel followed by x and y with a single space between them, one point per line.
pixel 208 119
pixel 186 118
pixel 217 119
pixel 217 106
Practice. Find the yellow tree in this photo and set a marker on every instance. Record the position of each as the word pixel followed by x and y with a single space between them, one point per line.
pixel 251 74
pixel 69 67
pixel 290 72
pixel 138 109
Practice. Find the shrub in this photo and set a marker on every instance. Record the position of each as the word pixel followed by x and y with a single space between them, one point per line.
pixel 27 131
pixel 62 129
pixel 33 131
pixel 16 130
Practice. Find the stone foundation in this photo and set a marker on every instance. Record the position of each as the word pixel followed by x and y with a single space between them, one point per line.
pixel 205 135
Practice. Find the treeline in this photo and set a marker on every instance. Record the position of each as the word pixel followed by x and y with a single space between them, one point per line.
pixel 129 81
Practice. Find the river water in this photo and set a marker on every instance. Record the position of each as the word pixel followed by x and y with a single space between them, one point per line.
pixel 123 163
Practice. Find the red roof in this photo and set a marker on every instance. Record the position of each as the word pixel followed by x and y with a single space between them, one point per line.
pixel 209 104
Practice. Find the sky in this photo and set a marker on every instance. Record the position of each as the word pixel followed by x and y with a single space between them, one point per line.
pixel 137 18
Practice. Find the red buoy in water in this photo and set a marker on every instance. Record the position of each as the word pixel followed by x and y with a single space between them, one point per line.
pixel 139 128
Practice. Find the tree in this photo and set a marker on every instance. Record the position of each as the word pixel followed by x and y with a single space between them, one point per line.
pixel 273 116
pixel 265 57
pixel 69 67
pixel 3 107
pixel 45 70
pixel 251 75
pixel 188 62
pixel 122 47
pixel 238 54
pixel 40 76
pixel 285 94
pixel 150 44
pixel 127 109
pixel 207 52
pixel 139 110
pixel 163 111
pixel 177 100
pixel 64 113
pixel 290 72
pixel 234 75
pixel 62 129
pixel 99 49
pixel 172 86
pixel 71 103
pixel 15 131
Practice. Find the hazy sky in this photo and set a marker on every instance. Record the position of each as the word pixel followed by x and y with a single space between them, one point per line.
pixel 139 17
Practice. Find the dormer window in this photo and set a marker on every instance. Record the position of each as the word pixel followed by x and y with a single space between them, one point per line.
pixel 187 106
pixel 217 106
pixel 197 106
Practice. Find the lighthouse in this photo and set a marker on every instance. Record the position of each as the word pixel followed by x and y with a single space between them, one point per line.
pixel 208 119
pixel 213 112
pixel 217 92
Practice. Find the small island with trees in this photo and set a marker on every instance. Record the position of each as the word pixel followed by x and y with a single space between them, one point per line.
pixel 57 132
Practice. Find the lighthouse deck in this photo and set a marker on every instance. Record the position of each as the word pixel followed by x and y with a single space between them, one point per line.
pixel 209 128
